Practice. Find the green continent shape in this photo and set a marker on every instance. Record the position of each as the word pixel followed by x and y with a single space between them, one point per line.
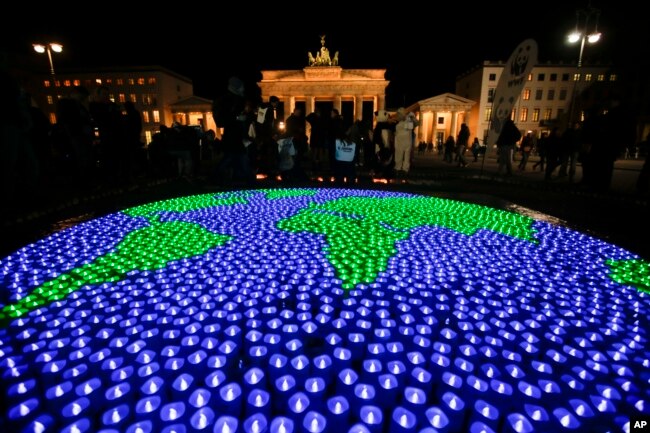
pixel 361 232
pixel 634 272
pixel 187 204
pixel 148 248
pixel 272 194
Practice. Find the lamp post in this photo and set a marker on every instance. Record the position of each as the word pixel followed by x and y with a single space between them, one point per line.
pixel 584 18
pixel 48 48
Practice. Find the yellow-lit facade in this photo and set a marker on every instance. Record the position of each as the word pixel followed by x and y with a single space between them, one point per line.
pixel 545 100
pixel 154 91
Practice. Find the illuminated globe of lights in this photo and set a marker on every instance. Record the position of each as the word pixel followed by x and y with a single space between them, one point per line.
pixel 322 310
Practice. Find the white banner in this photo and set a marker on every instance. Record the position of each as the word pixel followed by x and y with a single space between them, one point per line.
pixel 512 80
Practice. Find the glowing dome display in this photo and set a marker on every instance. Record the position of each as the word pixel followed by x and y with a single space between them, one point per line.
pixel 322 311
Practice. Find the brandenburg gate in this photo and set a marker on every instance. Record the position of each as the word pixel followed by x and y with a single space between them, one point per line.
pixel 324 80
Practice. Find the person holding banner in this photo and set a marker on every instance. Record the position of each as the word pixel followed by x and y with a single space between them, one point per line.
pixel 506 143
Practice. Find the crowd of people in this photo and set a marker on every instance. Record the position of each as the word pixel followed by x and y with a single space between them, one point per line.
pixel 319 143
pixel 97 143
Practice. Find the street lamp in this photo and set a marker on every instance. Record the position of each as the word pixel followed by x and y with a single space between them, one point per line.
pixel 48 48
pixel 584 18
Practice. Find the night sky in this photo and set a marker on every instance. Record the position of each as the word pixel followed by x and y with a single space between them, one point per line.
pixel 422 52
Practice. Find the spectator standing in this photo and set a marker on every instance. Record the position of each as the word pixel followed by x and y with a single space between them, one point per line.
pixel 108 119
pixel 404 141
pixel 506 143
pixel 133 137
pixel 541 147
pixel 476 147
pixel 229 114
pixel 526 147
pixel 461 144
pixel 75 136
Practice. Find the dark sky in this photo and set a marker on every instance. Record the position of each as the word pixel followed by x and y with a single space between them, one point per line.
pixel 423 52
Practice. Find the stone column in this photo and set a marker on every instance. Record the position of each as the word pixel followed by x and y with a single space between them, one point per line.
pixel 358 107
pixel 291 106
pixel 454 124
pixel 310 104
pixel 434 127
pixel 381 102
pixel 337 103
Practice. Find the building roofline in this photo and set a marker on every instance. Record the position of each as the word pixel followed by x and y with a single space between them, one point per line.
pixel 548 64
pixel 132 68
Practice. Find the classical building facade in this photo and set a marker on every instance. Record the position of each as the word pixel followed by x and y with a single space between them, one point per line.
pixel 323 80
pixel 161 95
pixel 441 116
pixel 550 93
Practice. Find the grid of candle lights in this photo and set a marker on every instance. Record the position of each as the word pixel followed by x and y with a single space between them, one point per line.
pixel 288 328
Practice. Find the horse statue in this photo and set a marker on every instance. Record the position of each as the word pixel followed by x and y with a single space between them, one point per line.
pixel 335 59
pixel 310 59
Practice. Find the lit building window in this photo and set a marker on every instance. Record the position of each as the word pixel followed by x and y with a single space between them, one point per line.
pixel 523 114
pixel 50 99
pixel 52 118
pixel 530 77
pixel 145 116
pixel 587 77
pixel 47 83
pixel 131 82
pixel 141 81
pixel 59 96
pixel 612 77
pixel 109 81
pixel 535 115
pixel 147 137
pixel 601 77
pixel 538 94
pixel 67 83
pixel 152 81
pixel 57 83
pixel 98 81
pixel 133 98
pixel 122 98
pixel 111 97
pixel 551 94
pixel 576 77
pixel 156 116
pixel 513 115
pixel 547 113
pixel 120 81
pixel 526 94
pixel 488 114
pixel 563 94
pixel 77 82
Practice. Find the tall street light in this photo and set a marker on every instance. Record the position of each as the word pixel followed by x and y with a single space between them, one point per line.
pixel 584 19
pixel 48 48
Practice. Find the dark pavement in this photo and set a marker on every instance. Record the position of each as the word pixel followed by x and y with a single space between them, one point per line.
pixel 619 216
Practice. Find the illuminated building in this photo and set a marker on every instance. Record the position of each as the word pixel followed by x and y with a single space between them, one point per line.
pixel 545 100
pixel 161 95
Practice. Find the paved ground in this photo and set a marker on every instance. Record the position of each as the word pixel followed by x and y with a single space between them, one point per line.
pixel 619 216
